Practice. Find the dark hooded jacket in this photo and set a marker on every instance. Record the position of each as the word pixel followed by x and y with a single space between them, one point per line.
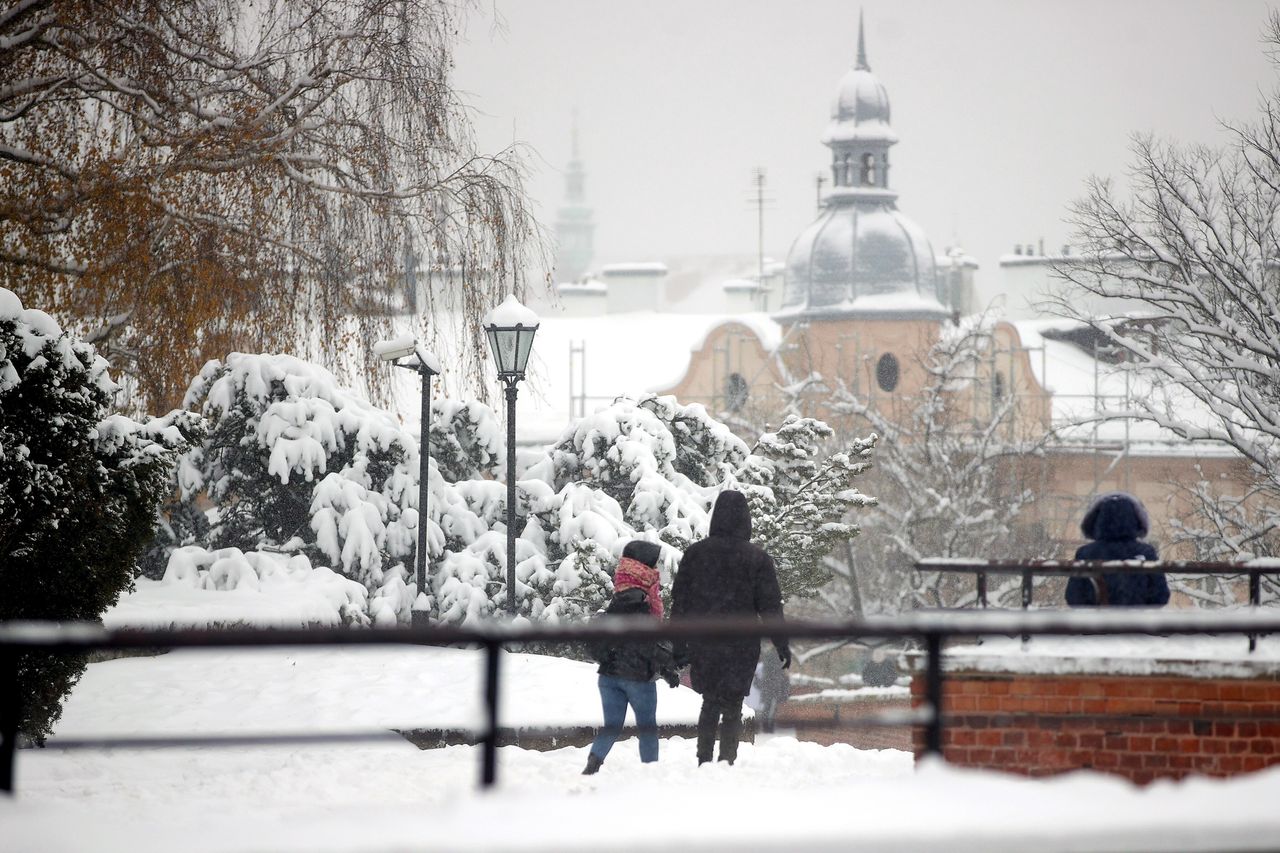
pixel 638 660
pixel 1116 521
pixel 725 575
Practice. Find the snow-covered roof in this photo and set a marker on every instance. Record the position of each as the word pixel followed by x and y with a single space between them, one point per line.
pixel 1032 260
pixel 891 304
pixel 643 268
pixel 621 354
pixel 857 249
pixel 1082 386
pixel 590 287
pixel 861 109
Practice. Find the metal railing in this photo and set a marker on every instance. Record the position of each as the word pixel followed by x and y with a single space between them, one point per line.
pixel 930 628
pixel 1030 569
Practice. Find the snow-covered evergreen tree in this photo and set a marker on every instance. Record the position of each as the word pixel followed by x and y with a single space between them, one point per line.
pixel 79 488
pixel 802 499
pixel 292 463
pixel 297 464
pixel 465 440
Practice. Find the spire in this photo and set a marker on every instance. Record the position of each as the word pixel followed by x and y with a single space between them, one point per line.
pixel 574 226
pixel 574 177
pixel 862 47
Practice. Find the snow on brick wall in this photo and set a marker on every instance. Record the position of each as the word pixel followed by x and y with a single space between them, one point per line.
pixel 1139 727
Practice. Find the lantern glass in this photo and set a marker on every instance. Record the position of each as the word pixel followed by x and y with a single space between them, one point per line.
pixel 511 346
pixel 523 347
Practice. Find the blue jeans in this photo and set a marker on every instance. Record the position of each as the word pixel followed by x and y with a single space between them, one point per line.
pixel 615 695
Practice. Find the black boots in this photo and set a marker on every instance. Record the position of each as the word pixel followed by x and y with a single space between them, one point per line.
pixel 593 764
pixel 730 733
pixel 725 714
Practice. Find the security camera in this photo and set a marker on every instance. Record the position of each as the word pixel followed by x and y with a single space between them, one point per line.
pixel 394 350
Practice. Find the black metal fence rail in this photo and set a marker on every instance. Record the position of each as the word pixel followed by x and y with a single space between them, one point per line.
pixel 1030 569
pixel 930 628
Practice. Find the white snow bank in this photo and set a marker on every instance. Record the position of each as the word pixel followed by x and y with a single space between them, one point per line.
pixel 205 589
pixel 781 795
pixel 330 689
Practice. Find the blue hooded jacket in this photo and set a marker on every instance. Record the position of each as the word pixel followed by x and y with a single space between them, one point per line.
pixel 1116 521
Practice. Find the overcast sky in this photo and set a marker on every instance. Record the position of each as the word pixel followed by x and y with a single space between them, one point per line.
pixel 1003 107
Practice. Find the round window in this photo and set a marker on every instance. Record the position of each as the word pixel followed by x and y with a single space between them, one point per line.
pixel 887 372
pixel 735 392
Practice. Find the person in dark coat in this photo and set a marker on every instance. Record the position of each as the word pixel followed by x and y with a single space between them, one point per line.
pixel 1116 522
pixel 628 669
pixel 725 575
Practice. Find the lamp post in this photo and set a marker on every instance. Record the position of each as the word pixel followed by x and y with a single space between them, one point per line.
pixel 511 327
pixel 427 366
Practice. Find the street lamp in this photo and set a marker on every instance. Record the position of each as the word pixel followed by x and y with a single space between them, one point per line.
pixel 427 366
pixel 511 327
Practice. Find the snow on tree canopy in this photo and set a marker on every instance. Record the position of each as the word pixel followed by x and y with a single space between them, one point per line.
pixel 295 464
pixel 79 489
pixel 39 337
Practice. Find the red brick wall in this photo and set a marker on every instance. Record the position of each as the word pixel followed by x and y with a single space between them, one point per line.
pixel 1164 726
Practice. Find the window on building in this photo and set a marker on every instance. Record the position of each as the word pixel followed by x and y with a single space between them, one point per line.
pixel 736 391
pixel 997 386
pixel 868 170
pixel 887 372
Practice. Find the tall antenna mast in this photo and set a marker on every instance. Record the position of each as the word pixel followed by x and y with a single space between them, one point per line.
pixel 760 220
pixel 759 200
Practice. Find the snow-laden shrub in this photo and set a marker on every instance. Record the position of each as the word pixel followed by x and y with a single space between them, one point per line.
pixel 295 463
pixel 465 440
pixel 292 592
pixel 79 488
pixel 647 468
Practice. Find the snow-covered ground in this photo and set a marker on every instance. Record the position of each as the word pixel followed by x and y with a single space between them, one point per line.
pixel 782 794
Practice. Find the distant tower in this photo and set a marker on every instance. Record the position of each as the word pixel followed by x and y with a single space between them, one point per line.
pixel 574 227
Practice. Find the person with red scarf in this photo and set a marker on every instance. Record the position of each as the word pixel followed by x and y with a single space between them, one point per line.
pixel 629 668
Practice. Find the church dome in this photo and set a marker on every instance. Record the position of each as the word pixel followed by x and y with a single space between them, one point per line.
pixel 861 109
pixel 861 256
